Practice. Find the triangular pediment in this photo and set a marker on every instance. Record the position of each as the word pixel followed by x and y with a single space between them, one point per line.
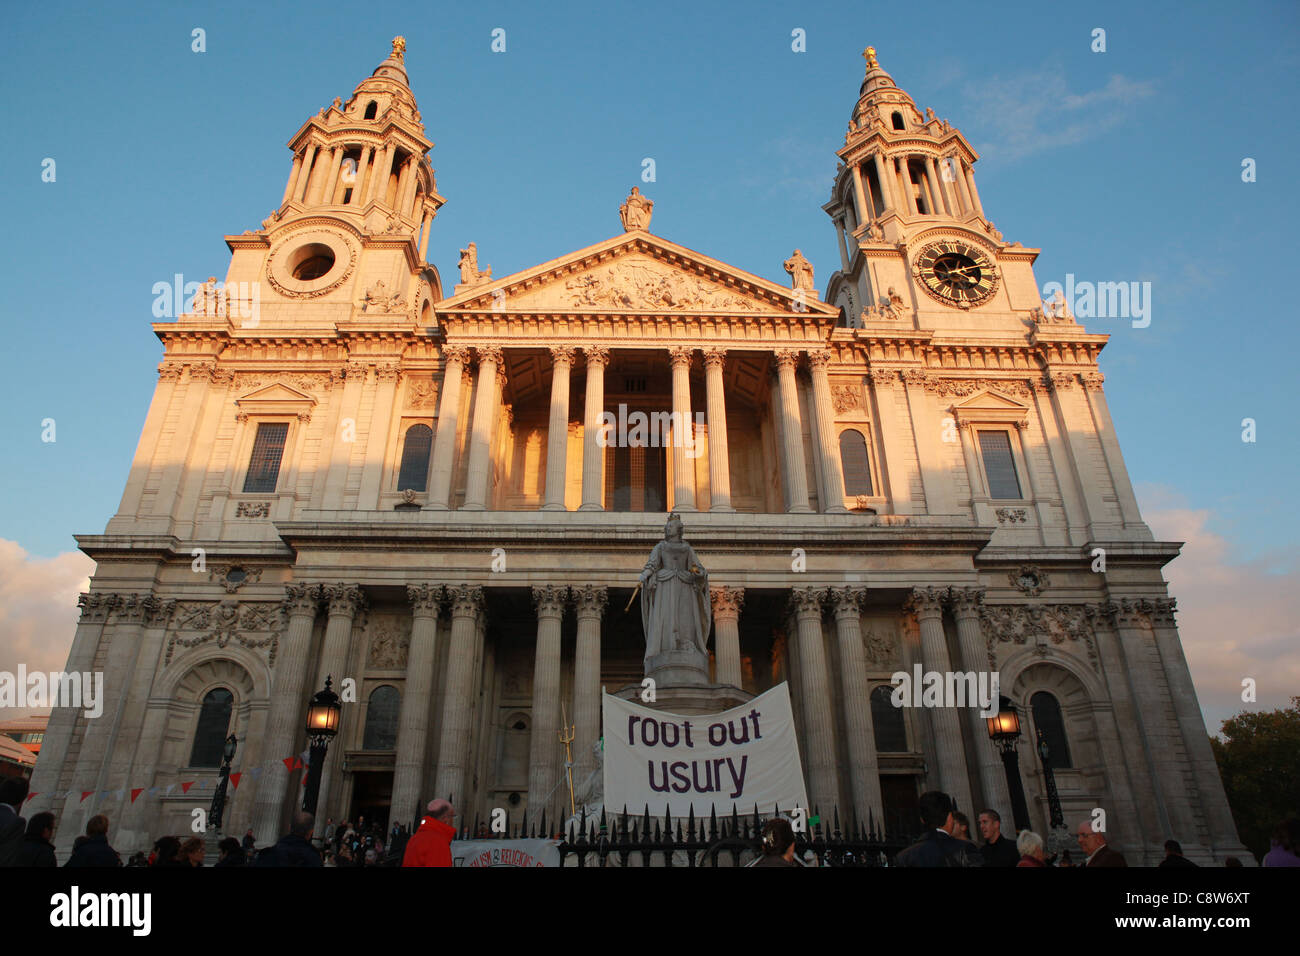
pixel 276 392
pixel 636 273
pixel 990 400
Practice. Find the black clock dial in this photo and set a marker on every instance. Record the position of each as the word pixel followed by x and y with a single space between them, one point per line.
pixel 955 273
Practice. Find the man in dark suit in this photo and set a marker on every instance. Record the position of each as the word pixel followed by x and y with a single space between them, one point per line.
pixel 997 849
pixel 1094 845
pixel 1174 855
pixel 937 846
pixel 12 825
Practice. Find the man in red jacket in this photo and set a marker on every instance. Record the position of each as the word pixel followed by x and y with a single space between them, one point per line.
pixel 430 845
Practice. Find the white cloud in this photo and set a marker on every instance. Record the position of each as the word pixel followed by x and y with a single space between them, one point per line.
pixel 1236 620
pixel 1036 110
pixel 38 609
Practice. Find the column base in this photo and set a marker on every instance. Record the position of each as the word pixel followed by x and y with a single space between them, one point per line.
pixel 799 510
pixel 435 506
pixel 473 507
pixel 836 510
pixel 722 509
pixel 553 506
pixel 685 509
pixel 588 506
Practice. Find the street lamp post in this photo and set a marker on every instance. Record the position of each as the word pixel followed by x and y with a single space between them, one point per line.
pixel 1004 730
pixel 322 725
pixel 1049 779
pixel 219 798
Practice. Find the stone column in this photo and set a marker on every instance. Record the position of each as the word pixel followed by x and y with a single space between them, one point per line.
pixel 387 377
pixel 828 442
pixel 457 705
pixel 95 608
pixel 970 186
pixel 959 178
pixel 727 603
pixel 363 175
pixel 936 190
pixel 557 431
pixel 823 778
pixel 719 455
pixel 1096 398
pixel 378 188
pixel 404 186
pixel 543 756
pixel 796 487
pixel 487 398
pixel 417 698
pixel 97 744
pixel 1213 799
pixel 975 659
pixel 132 752
pixel 683 430
pixel 950 754
pixel 426 227
pixel 590 603
pixel 336 160
pixel 864 771
pixel 593 451
pixel 886 192
pixel 444 448
pixel 345 602
pixel 905 180
pixel 288 192
pixel 864 210
pixel 284 722
pixel 304 175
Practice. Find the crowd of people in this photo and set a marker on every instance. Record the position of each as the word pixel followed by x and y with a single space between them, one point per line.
pixel 946 841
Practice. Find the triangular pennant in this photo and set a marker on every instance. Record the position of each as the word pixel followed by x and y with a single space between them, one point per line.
pixel 85 794
pixel 135 792
pixel 117 794
pixel 257 773
pixel 153 791
pixel 289 762
pixel 30 795
pixel 170 788
pixel 185 787
pixel 234 779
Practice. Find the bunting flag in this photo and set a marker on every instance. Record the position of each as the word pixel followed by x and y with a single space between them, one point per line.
pixel 185 787
pixel 29 796
pixel 234 779
pixel 257 773
pixel 135 792
pixel 153 791
pixel 289 762
pixel 85 794
pixel 170 788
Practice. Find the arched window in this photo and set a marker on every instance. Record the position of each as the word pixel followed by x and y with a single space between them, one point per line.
pixel 854 462
pixel 897 120
pixel 887 722
pixel 1048 719
pixel 381 719
pixel 414 473
pixel 372 108
pixel 214 725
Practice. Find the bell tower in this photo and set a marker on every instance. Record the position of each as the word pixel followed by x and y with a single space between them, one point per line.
pixel 351 233
pixel 912 232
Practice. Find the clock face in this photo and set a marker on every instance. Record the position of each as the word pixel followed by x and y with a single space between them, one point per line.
pixel 956 273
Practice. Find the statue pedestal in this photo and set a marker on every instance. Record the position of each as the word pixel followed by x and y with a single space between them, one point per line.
pixel 688 698
pixel 681 665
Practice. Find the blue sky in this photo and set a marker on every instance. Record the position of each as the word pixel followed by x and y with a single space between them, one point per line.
pixel 1121 166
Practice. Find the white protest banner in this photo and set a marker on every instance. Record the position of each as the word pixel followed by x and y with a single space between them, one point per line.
pixel 745 756
pixel 505 853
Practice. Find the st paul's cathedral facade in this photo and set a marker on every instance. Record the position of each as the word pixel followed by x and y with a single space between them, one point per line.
pixel 418 491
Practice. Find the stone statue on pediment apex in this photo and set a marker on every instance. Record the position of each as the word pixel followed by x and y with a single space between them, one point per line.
pixel 800 270
pixel 469 271
pixel 636 211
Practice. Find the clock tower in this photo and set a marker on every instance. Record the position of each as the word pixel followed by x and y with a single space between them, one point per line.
pixel 916 249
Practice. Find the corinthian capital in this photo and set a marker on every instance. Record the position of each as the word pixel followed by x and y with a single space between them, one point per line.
pixel 715 358
pixel 95 606
pixel 787 358
pixel 966 601
pixel 466 600
pixel 590 600
pixel 550 600
pixel 458 354
pixel 562 355
pixel 426 599
pixel 344 599
pixel 926 602
pixel 301 599
pixel 727 602
pixel 489 354
pixel 847 601
pixel 807 602
pixel 819 358
pixel 597 355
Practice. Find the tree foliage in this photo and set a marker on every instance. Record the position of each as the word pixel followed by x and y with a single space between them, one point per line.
pixel 1259 760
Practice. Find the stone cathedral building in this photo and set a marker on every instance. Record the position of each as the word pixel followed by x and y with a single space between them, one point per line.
pixel 368 476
